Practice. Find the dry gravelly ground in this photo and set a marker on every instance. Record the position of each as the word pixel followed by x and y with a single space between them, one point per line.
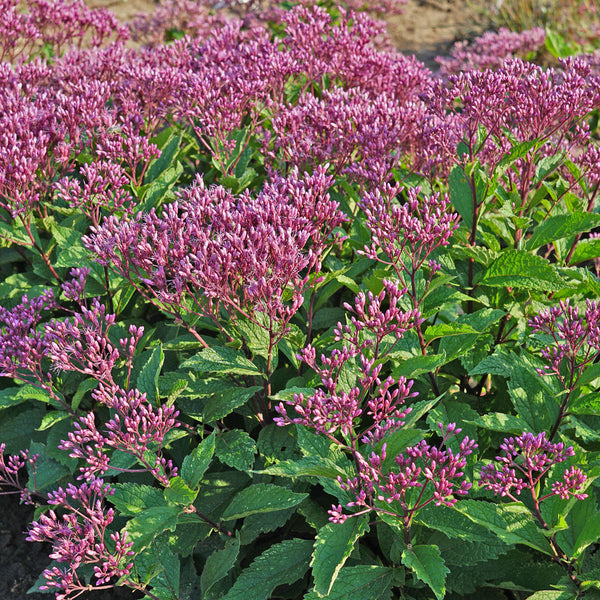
pixel 427 28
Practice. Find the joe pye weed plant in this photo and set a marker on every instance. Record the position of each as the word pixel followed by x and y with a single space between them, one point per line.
pixel 284 314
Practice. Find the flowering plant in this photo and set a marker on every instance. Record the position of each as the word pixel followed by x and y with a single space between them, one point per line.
pixel 285 314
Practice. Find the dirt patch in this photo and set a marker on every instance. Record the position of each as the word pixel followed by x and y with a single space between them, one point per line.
pixel 429 28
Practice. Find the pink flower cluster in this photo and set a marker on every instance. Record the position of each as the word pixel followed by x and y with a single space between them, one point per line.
pixel 576 337
pixel 212 251
pixel 437 474
pixel 135 428
pixel 81 536
pixel 57 24
pixel 9 473
pixel 524 461
pixel 490 50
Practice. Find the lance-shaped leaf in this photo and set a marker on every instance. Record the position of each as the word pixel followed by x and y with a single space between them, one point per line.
pixel 333 546
pixel 517 268
pixel 221 359
pixel 511 522
pixel 282 563
pixel 261 498
pixel 428 565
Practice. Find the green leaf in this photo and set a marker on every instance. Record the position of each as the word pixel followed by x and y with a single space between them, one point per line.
pixel 166 584
pixel 195 464
pixel 17 430
pixel 428 565
pixel 454 524
pixel 417 365
pixel 73 256
pixel 131 498
pixel 236 449
pixel 500 363
pixel 179 493
pixel 561 226
pixel 147 380
pixel 558 46
pixel 552 595
pixel 589 534
pixel 534 401
pixel 257 338
pixel 165 159
pixel 85 386
pixel 261 498
pixel 282 563
pixel 47 470
pixel 517 268
pixel 150 523
pixel 52 417
pixel 218 564
pixel 333 546
pixel 512 523
pixel 220 359
pixel 447 329
pixel 222 403
pixel 259 523
pixel 585 250
pixel 363 582
pixel 461 195
pixel 501 422
pixel 308 466
pixel 160 188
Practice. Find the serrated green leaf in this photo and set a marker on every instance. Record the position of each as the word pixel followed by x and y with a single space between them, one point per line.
pixel 259 523
pixel 561 226
pixel 166 584
pixel 52 417
pixel 220 359
pixel 551 595
pixel 87 385
pixel 17 430
pixel 222 403
pixel 428 565
pixel 585 250
pixel 308 466
pixel 453 524
pixel 333 546
pixel 461 195
pixel 500 363
pixel 195 464
pixel 500 422
pixel 512 523
pixel 589 534
pixel 236 449
pixel 150 523
pixel 73 256
pixel 47 470
pixel 282 563
pixel 261 498
pixel 218 564
pixel 179 493
pixel 533 400
pixel 447 329
pixel 517 268
pixel 131 498
pixel 363 582
pixel 417 365
pixel 147 380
